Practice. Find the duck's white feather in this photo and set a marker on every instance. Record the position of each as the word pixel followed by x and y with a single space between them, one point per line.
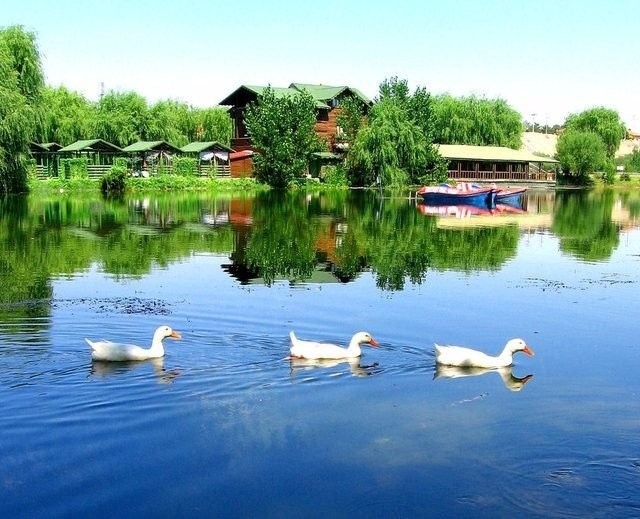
pixel 117 352
pixel 460 356
pixel 322 350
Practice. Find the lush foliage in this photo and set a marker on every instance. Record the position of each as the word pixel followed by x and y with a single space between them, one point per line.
pixel 350 118
pixel 125 117
pixel 604 122
pixel 21 80
pixel 115 180
pixel 66 117
pixel 185 166
pixel 476 121
pixel 211 124
pixel 631 162
pixel 122 118
pixel 580 154
pixel 73 169
pixel 394 147
pixel 335 176
pixel 282 128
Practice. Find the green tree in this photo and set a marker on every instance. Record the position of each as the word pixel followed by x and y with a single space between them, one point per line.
pixel 395 146
pixel 122 118
pixel 65 116
pixel 282 128
pixel 351 117
pixel 171 121
pixel 212 124
pixel 476 121
pixel 604 122
pixel 580 154
pixel 21 79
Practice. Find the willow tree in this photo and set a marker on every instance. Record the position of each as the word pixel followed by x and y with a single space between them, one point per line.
pixel 212 124
pixel 604 122
pixel 395 147
pixel 66 116
pixel 171 121
pixel 580 154
pixel 122 118
pixel 21 80
pixel 476 121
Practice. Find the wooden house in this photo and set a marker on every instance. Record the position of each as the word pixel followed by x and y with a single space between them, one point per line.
pixel 99 154
pixel 327 98
pixel 495 163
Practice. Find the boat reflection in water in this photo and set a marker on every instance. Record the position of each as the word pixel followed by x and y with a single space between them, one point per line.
pixel 354 364
pixel 511 382
pixel 104 369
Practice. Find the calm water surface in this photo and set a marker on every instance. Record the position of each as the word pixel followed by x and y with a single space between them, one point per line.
pixel 224 425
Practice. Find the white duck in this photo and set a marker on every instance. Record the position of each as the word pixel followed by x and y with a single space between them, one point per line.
pixel 322 350
pixel 113 351
pixel 458 356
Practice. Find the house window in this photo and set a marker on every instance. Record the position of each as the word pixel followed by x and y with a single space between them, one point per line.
pixel 322 115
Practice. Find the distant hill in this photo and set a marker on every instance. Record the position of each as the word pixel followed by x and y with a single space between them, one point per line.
pixel 541 143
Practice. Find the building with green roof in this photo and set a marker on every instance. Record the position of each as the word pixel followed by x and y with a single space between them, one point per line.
pixel 148 156
pixel 495 163
pixel 213 157
pixel 328 99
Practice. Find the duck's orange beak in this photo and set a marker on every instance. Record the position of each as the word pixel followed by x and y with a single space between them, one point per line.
pixel 175 335
pixel 528 351
pixel 374 343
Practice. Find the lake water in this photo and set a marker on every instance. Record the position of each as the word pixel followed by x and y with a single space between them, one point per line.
pixel 224 425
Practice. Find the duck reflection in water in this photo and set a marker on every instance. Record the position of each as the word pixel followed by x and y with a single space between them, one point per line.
pixel 354 364
pixel 511 382
pixel 101 368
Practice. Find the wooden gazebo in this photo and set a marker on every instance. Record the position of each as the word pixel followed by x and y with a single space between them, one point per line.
pixel 148 156
pixel 213 157
pixel 495 163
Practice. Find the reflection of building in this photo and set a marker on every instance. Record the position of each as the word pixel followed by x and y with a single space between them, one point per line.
pixel 495 163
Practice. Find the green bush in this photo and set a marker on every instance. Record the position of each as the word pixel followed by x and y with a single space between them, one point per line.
pixel 609 173
pixel 334 176
pixel 115 180
pixel 74 169
pixel 185 166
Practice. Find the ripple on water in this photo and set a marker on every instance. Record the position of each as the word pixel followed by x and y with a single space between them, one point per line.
pixel 574 488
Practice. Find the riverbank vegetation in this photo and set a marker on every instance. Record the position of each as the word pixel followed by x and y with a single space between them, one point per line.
pixel 391 143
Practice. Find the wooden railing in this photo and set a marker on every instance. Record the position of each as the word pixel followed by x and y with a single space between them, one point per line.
pixel 531 176
pixel 96 171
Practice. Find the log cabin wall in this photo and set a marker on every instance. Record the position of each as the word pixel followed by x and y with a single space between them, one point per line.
pixel 326 127
pixel 241 167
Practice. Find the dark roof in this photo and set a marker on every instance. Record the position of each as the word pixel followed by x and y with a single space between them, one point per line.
pixel 142 146
pixel 198 147
pixel 91 145
pixel 37 148
pixel 51 146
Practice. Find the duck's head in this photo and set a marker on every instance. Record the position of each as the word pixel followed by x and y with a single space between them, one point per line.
pixel 365 338
pixel 515 345
pixel 165 331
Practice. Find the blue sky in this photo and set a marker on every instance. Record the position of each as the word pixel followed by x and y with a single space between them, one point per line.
pixel 544 57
